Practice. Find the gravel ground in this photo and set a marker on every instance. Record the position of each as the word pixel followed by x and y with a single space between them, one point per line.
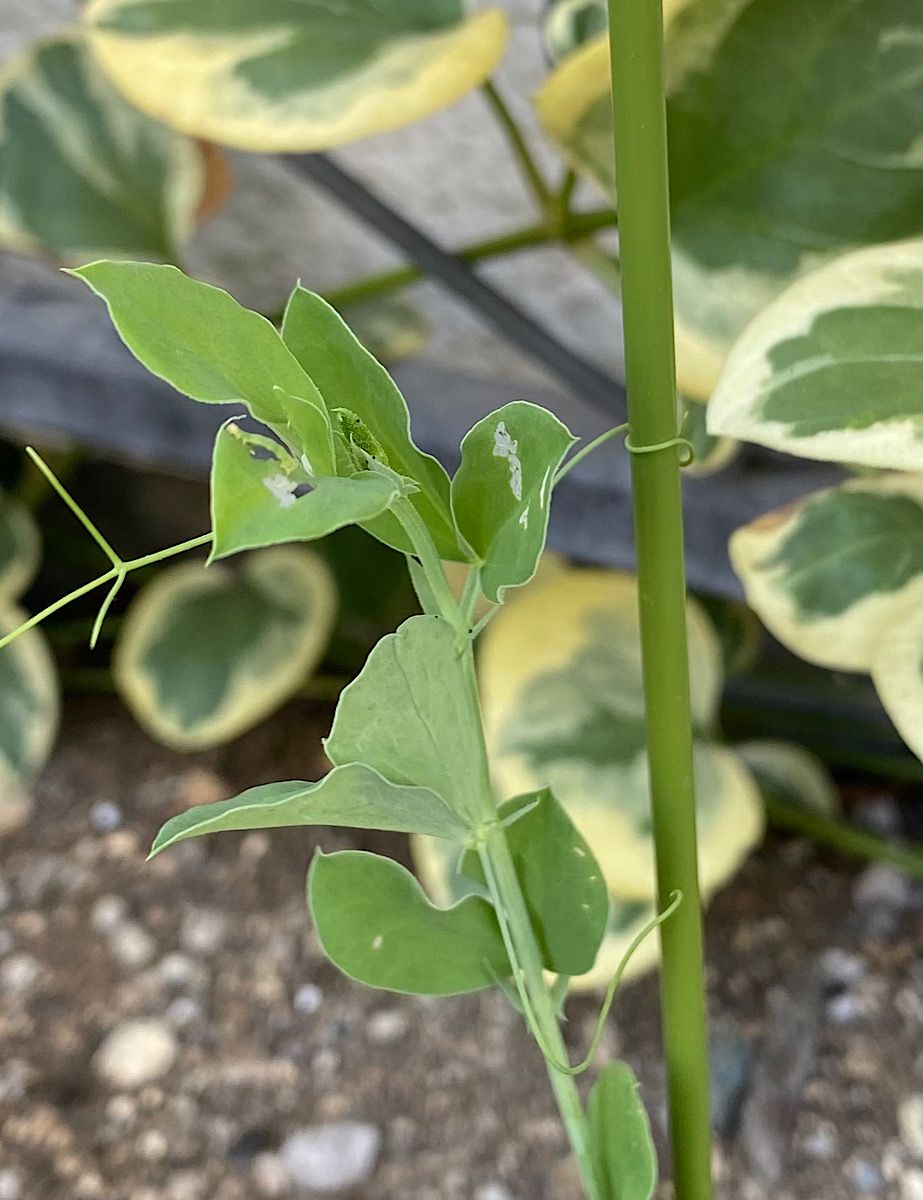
pixel 170 1031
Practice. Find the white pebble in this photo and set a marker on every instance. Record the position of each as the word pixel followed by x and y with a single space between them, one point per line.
pixel 308 999
pixel 131 945
pixel 136 1053
pixel 331 1157
pixel 10 1184
pixel 270 1176
pixel 105 817
pixel 108 913
pixel 881 885
pixel 203 932
pixel 19 974
pixel 912 1185
pixel 910 1123
pixel 493 1191
pixel 387 1026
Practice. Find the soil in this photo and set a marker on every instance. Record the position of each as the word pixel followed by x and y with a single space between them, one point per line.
pixel 816 987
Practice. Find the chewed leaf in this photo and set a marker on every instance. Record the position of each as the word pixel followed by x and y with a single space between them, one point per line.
pixel 771 171
pixel 562 882
pixel 354 796
pixel 833 369
pixel 261 496
pixel 792 774
pixel 407 717
pixel 300 76
pixel 897 671
pixel 200 340
pixel 206 654
pixel 376 925
pixel 620 1139
pixel 563 700
pixel 20 549
pixel 82 172
pixel 29 701
pixel 827 574
pixel 437 863
pixel 350 378
pixel 501 493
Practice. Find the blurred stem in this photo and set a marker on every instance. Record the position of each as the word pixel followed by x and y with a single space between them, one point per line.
pixel 844 838
pixel 518 144
pixel 579 226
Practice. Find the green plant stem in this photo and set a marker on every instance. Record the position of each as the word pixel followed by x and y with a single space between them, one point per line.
pixel 845 838
pixel 636 46
pixel 579 226
pixel 516 139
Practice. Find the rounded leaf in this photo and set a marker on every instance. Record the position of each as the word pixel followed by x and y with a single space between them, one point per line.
pixel 29 700
pixel 792 774
pixel 293 75
pixel 205 654
pixel 828 573
pixel 833 368
pixel 897 671
pixel 83 173
pixel 619 1135
pixel 20 549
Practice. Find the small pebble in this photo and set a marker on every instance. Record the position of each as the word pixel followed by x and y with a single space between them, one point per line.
pixel 270 1176
pixel 108 913
pixel 131 945
pixel 912 1185
pixel 308 999
pixel 10 1184
pixel 105 817
pixel 203 932
pixel 19 974
pixel 136 1053
pixel 865 1176
pixel 910 1123
pixel 845 1009
pixel 884 886
pixel 388 1026
pixel 331 1157
pixel 493 1191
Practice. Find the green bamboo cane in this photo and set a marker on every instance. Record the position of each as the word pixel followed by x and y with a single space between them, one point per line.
pixel 636 43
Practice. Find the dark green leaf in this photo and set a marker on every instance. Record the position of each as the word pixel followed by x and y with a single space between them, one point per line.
pixel 376 925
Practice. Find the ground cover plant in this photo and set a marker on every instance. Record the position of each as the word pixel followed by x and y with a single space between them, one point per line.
pixel 827 369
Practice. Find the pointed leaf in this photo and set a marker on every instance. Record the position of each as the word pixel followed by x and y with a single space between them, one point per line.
pixel 501 493
pixel 376 925
pixel 293 75
pixel 407 717
pixel 261 496
pixel 562 882
pixel 82 172
pixel 205 654
pixel 349 377
pixel 833 368
pixel 354 796
pixel 827 573
pixel 620 1139
pixel 200 340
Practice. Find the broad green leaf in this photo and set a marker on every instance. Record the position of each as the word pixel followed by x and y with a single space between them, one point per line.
pixel 349 377
pixel 82 172
pixel 353 796
pixel 792 774
pixel 897 671
pixel 20 549
pixel 29 701
pixel 827 574
pixel 562 693
pixel 563 886
pixel 501 493
pixel 620 1139
pixel 261 496
pixel 376 925
pixel 200 340
pixel 771 170
pixel 204 655
pixel 293 74
pixel 712 452
pixel 833 368
pixel 438 864
pixel 409 717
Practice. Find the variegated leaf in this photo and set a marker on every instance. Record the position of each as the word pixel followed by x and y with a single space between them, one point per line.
pixel 29 700
pixel 570 24
pixel 792 774
pixel 293 74
pixel 833 368
pixel 83 174
pixel 772 170
pixel 205 654
pixel 712 451
pixel 20 549
pixel 564 708
pixel 827 574
pixel 897 670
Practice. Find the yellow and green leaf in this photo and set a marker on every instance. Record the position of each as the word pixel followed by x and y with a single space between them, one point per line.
pixel 29 701
pixel 828 573
pixel 20 549
pixel 833 368
pixel 293 75
pixel 897 670
pixel 83 173
pixel 206 654
pixel 771 171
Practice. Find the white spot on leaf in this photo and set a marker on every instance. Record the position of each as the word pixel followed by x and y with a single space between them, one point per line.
pixel 281 488
pixel 506 447
pixel 377 942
